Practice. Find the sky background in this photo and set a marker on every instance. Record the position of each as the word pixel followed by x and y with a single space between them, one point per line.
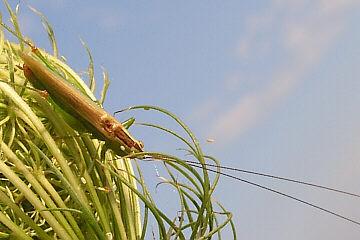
pixel 274 83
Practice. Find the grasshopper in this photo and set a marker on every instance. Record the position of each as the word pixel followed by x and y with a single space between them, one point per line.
pixel 74 102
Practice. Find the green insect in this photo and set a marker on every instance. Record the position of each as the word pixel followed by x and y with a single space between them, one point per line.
pixel 80 109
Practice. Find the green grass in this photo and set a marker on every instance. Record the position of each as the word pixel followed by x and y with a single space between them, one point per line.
pixel 56 182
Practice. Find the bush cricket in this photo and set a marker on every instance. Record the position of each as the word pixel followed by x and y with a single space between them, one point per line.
pixel 74 102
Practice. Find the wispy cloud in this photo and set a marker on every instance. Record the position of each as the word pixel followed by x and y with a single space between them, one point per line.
pixel 305 31
pixel 211 105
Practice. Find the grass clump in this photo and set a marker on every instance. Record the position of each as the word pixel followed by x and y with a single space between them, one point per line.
pixel 58 182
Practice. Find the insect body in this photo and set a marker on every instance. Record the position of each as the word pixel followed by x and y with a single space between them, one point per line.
pixel 80 106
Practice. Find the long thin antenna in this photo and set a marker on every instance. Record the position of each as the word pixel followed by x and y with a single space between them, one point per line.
pixel 198 165
pixel 283 194
pixel 274 177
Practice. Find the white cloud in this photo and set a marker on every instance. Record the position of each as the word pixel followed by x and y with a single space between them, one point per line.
pixel 204 109
pixel 210 107
pixel 305 30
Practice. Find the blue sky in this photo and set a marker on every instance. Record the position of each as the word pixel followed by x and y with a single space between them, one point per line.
pixel 275 83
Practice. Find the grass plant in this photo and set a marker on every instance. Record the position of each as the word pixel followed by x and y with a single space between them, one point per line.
pixel 57 182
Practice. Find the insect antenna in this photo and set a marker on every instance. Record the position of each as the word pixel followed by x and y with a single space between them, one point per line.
pixel 197 164
pixel 287 195
pixel 210 168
